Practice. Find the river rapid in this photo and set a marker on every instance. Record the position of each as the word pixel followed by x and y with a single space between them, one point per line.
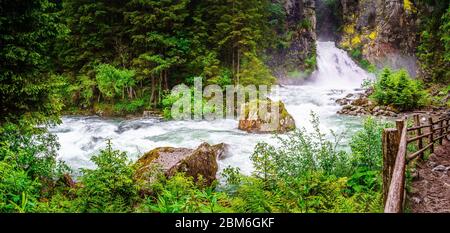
pixel 337 76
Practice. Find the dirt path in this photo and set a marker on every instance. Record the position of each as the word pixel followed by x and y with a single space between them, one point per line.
pixel 430 191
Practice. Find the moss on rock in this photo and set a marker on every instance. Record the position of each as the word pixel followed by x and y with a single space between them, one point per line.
pixel 254 121
pixel 201 162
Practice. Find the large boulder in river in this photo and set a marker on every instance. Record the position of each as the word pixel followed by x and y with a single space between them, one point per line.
pixel 199 162
pixel 255 121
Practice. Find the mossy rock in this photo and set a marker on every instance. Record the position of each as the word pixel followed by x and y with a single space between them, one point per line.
pixel 253 121
pixel 201 162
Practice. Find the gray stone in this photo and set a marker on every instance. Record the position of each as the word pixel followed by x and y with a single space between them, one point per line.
pixel 440 168
pixel 416 200
pixel 432 164
pixel 199 162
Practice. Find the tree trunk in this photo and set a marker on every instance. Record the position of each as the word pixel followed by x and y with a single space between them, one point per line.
pixel 130 92
pixel 238 64
pixel 161 76
pixel 152 95
pixel 232 62
pixel 166 81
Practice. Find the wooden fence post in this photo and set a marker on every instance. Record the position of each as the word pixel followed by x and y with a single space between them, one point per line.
pixel 391 142
pixel 395 199
pixel 430 121
pixel 447 129
pixel 419 133
pixel 400 124
pixel 441 132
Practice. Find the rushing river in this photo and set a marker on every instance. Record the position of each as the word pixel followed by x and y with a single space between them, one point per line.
pixel 337 75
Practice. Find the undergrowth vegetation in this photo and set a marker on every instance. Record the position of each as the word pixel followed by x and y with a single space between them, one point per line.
pixel 305 173
pixel 357 55
pixel 398 89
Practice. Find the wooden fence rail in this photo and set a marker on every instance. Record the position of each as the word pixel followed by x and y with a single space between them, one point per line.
pixel 396 157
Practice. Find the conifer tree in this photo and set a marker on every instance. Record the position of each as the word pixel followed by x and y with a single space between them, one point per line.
pixel 27 32
pixel 157 36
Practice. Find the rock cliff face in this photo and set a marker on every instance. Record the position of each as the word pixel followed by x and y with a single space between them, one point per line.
pixel 383 31
pixel 296 53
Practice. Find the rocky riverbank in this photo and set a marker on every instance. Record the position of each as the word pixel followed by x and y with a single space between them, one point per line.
pixel 359 104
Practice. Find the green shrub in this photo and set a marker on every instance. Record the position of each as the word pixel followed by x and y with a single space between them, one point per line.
pixel 311 193
pixel 306 173
pixel 224 78
pixel 130 106
pixel 28 166
pixel 364 181
pixel 180 194
pixel 357 55
pixel 170 98
pixel 397 89
pixel 366 145
pixel 79 92
pixel 110 187
pixel 311 64
pixel 441 98
pixel 367 159
pixel 113 82
pixel 254 72
pixel 31 149
pixel 60 203
pixel 300 153
pixel 305 24
pixel 18 191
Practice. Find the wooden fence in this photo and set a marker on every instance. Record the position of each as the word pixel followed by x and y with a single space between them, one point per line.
pixel 396 157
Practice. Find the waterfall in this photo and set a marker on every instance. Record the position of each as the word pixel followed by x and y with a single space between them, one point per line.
pixel 336 76
pixel 335 69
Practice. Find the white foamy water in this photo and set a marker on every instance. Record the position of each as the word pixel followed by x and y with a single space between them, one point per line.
pixel 336 70
pixel 337 75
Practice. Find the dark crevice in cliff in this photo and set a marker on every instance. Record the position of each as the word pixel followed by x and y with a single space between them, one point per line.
pixel 328 20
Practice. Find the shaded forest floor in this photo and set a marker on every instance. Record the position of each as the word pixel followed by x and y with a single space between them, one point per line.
pixel 430 188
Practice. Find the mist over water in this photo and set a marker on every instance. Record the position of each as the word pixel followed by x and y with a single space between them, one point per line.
pixel 337 75
pixel 336 69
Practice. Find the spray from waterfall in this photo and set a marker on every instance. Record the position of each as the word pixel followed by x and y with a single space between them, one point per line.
pixel 335 69
pixel 336 76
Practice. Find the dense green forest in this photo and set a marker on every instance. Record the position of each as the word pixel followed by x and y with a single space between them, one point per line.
pixel 122 57
pixel 127 54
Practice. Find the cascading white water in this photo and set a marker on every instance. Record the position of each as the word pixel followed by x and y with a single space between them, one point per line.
pixel 337 75
pixel 336 69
